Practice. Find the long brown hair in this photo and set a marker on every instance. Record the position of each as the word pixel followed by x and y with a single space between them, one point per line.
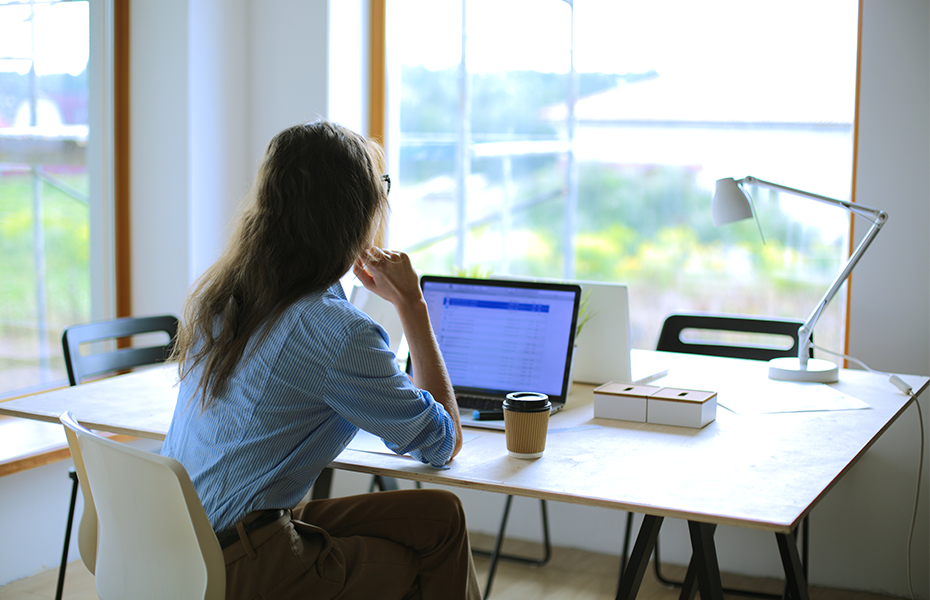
pixel 316 202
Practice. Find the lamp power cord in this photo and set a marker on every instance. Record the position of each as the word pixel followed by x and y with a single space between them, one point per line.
pixel 906 389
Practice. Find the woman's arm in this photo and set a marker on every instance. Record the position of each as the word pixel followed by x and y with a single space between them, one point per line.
pixel 390 275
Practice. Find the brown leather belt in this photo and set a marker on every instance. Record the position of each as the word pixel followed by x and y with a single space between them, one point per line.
pixel 230 536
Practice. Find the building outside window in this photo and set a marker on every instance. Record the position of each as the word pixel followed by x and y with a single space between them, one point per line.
pixel 582 140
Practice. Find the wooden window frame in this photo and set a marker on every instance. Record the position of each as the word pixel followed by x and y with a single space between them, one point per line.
pixel 121 160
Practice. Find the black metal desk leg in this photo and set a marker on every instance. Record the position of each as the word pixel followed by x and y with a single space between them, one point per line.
pixel 323 485
pixel 689 586
pixel 704 560
pixel 632 576
pixel 795 581
pixel 626 542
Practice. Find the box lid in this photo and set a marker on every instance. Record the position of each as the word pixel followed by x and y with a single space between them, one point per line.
pixel 679 395
pixel 618 388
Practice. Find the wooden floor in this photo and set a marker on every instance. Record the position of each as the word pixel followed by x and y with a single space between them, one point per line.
pixel 570 575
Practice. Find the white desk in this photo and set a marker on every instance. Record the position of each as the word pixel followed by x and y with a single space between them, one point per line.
pixel 763 471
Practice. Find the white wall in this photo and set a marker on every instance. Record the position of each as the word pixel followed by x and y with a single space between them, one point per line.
pixel 220 164
pixel 213 80
pixel 347 88
pixel 288 63
pixel 29 546
pixel 160 160
pixel 890 310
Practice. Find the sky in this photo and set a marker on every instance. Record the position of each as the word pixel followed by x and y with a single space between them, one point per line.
pixel 672 37
pixel 61 38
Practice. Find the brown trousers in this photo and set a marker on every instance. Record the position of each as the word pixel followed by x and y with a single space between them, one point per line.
pixel 404 544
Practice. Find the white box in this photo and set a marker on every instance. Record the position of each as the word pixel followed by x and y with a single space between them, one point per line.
pixel 685 408
pixel 623 401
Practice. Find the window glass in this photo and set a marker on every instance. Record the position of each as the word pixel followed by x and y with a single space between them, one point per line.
pixel 44 213
pixel 582 140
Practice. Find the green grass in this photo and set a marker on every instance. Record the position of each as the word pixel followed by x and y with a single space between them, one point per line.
pixel 66 252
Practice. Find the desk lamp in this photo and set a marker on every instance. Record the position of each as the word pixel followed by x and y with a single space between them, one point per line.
pixel 733 203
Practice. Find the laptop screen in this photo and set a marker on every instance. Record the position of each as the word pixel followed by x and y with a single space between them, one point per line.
pixel 500 336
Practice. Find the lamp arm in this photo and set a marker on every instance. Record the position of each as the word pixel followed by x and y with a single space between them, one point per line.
pixel 867 212
pixel 804 333
pixel 875 216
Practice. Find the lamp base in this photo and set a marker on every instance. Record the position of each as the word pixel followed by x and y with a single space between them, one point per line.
pixel 817 371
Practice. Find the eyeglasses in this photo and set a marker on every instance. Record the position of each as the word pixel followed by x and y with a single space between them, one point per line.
pixel 387 179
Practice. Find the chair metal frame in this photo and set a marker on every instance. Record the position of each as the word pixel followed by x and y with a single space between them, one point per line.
pixel 670 340
pixel 496 555
pixel 80 366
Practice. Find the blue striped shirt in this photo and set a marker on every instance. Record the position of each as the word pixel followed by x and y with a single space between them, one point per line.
pixel 294 402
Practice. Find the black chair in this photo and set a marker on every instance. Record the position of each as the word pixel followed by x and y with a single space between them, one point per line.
pixel 81 366
pixel 758 347
pixel 671 340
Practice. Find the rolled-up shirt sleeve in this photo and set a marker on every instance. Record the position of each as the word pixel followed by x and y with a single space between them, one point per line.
pixel 366 387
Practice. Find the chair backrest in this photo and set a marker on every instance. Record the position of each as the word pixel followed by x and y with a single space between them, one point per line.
pixel 80 366
pixel 154 538
pixel 671 339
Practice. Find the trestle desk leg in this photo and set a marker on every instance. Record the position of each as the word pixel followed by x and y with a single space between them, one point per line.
pixel 795 579
pixel 689 586
pixel 704 560
pixel 632 576
pixel 385 484
pixel 627 534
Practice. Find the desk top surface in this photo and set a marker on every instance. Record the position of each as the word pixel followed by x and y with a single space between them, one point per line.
pixel 762 471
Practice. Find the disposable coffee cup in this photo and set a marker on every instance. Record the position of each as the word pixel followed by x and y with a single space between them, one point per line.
pixel 526 420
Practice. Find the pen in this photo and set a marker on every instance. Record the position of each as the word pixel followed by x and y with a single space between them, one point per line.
pixel 488 415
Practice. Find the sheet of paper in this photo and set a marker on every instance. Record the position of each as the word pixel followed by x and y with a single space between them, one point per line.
pixel 755 393
pixel 786 396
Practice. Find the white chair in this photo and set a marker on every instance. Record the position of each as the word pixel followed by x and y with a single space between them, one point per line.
pixel 154 540
pixel 87 533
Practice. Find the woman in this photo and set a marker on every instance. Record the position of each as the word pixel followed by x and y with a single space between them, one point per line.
pixel 278 372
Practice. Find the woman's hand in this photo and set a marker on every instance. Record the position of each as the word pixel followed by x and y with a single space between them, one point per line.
pixel 389 274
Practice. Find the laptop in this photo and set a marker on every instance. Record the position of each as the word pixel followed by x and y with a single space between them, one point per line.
pixel 500 336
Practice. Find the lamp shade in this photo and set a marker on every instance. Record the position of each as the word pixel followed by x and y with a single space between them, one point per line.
pixel 730 203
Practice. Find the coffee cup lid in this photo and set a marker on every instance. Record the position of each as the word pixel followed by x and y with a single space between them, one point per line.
pixel 527 402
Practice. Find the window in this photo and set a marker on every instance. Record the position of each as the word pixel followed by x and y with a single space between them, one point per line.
pixel 45 186
pixel 582 140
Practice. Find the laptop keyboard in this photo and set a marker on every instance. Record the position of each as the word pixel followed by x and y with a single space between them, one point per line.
pixel 478 402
